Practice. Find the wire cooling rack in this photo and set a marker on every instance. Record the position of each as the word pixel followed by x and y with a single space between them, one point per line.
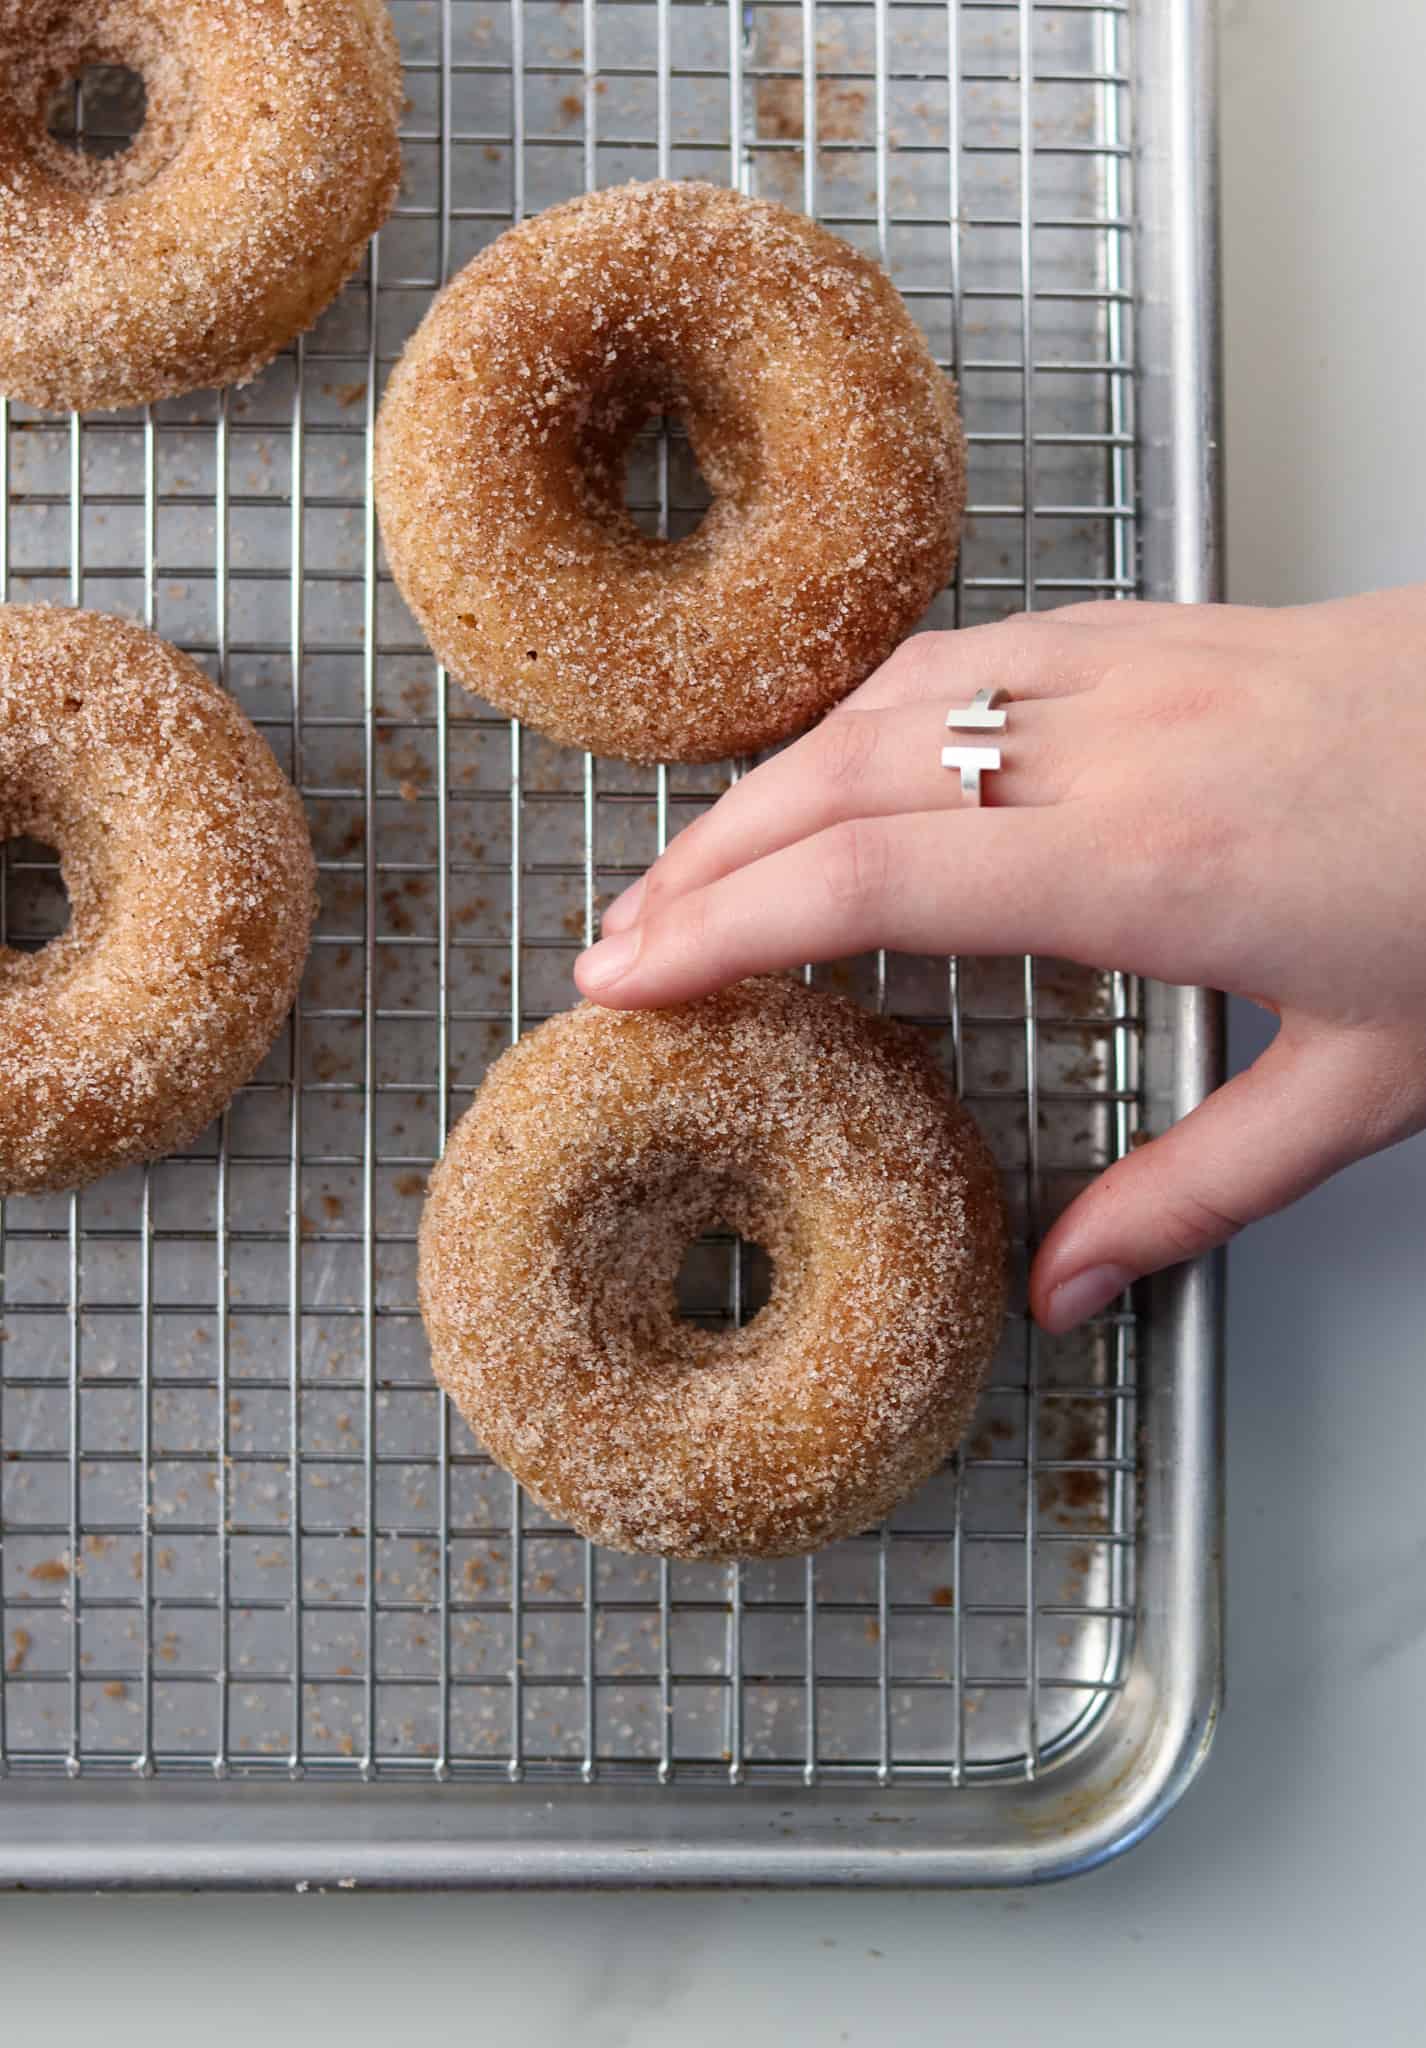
pixel 242 1533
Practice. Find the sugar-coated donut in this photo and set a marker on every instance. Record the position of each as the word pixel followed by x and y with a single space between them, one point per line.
pixel 598 1148
pixel 825 431
pixel 191 887
pixel 267 159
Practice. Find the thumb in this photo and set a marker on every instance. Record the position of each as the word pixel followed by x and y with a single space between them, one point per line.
pixel 1294 1117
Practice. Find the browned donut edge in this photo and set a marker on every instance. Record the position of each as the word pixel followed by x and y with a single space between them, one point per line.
pixel 556 1220
pixel 269 157
pixel 830 437
pixel 192 891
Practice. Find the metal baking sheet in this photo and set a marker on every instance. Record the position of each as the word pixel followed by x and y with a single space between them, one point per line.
pixel 268 1613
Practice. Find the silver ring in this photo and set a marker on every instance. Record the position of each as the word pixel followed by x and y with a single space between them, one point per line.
pixel 980 715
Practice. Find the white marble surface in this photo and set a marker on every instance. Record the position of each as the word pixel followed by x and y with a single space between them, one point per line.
pixel 1284 1900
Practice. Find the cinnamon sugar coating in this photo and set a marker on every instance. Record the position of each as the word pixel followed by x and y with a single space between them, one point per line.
pixel 192 892
pixel 598 1148
pixel 267 159
pixel 826 433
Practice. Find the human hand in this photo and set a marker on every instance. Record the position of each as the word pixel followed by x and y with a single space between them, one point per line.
pixel 1213 794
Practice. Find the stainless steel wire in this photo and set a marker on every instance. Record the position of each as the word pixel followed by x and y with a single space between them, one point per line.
pixel 241 1534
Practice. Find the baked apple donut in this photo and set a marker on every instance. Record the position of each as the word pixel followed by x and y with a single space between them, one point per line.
pixel 599 1147
pixel 191 888
pixel 267 159
pixel 825 431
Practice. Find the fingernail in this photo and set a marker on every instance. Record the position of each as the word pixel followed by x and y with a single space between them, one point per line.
pixel 625 908
pixel 610 960
pixel 1082 1296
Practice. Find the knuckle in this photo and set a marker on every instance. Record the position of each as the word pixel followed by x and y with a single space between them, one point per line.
pixel 1024 626
pixel 1038 659
pixel 684 862
pixel 854 864
pixel 1099 611
pixel 916 667
pixel 1048 623
pixel 1038 647
pixel 1192 1223
pixel 842 747
pixel 682 930
pixel 656 892
pixel 661 881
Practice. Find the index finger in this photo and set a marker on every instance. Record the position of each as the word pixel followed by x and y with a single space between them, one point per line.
pixel 986 882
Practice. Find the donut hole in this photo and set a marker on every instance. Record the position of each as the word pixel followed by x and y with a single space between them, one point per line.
pixel 34 903
pixel 665 492
pixel 99 112
pixel 724 1282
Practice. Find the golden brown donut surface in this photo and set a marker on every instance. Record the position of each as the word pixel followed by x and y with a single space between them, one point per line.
pixel 191 886
pixel 267 158
pixel 825 431
pixel 599 1147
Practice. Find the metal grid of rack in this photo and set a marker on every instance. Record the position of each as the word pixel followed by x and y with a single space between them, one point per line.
pixel 242 1534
